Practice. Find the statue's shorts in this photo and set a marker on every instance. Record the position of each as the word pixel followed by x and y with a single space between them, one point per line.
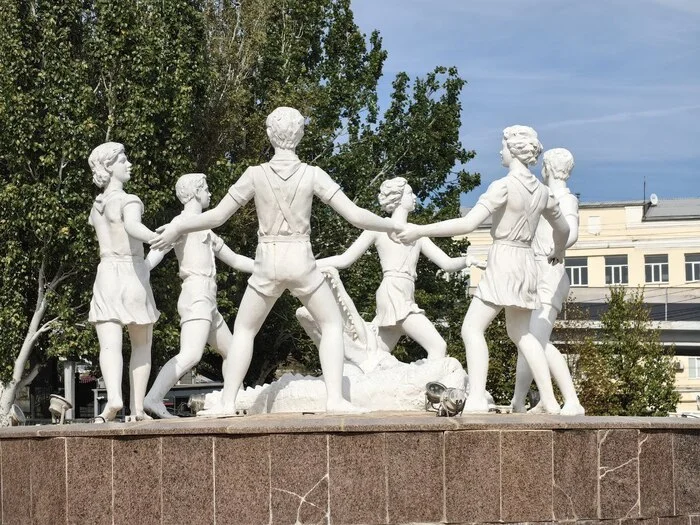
pixel 395 301
pixel 285 263
pixel 552 283
pixel 198 301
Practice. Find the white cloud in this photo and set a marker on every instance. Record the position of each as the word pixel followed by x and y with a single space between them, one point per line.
pixel 686 6
pixel 621 117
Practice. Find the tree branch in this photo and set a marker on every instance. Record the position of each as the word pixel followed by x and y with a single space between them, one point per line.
pixel 30 376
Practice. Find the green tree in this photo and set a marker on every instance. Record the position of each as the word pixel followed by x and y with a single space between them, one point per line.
pixel 311 55
pixel 626 371
pixel 47 125
pixel 72 75
pixel 186 85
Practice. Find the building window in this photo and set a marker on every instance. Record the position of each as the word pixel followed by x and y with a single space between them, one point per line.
pixel 694 367
pixel 594 225
pixel 692 267
pixel 656 268
pixel 616 271
pixel 577 270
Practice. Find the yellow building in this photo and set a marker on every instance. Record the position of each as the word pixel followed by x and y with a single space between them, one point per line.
pixel 654 245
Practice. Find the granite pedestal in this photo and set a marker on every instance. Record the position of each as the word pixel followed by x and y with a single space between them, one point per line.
pixel 381 468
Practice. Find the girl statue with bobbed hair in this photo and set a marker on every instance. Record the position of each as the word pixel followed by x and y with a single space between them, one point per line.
pixel 122 293
pixel 397 311
pixel 515 203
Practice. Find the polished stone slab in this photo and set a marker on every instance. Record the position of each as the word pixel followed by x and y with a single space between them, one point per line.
pixel 292 423
pixel 388 468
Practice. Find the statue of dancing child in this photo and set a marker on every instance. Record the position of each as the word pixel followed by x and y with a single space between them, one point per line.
pixel 121 295
pixel 200 320
pixel 283 190
pixel 552 287
pixel 397 311
pixel 516 203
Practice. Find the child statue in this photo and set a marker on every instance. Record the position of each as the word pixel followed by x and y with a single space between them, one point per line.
pixel 516 203
pixel 283 190
pixel 200 320
pixel 122 293
pixel 397 311
pixel 552 286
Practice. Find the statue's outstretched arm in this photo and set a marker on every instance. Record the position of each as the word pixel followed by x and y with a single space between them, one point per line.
pixel 448 228
pixel 359 217
pixel 354 252
pixel 235 260
pixel 154 258
pixel 132 222
pixel 433 252
pixel 169 233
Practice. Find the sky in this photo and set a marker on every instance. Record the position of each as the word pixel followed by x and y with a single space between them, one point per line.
pixel 617 82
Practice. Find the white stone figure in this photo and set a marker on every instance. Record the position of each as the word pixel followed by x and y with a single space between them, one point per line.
pixel 373 378
pixel 200 320
pixel 552 286
pixel 283 190
pixel 364 351
pixel 397 387
pixel 397 311
pixel 122 293
pixel 516 203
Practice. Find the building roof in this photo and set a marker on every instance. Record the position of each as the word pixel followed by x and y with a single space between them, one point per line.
pixel 673 209
pixel 610 204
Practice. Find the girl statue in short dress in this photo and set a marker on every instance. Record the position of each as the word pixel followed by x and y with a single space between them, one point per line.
pixel 122 293
pixel 516 203
pixel 397 311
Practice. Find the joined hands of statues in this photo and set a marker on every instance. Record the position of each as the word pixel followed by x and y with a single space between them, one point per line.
pixel 470 260
pixel 408 234
pixel 167 235
pixel 555 258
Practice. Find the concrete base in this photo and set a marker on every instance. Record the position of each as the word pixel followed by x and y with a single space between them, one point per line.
pixel 386 468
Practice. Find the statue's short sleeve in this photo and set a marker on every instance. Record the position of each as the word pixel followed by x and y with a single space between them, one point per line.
pixel 216 242
pixel 552 211
pixel 324 186
pixel 243 189
pixel 568 204
pixel 131 199
pixel 495 196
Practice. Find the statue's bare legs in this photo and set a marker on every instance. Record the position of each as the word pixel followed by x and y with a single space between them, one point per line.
pixel 479 316
pixel 388 337
pixel 194 335
pixel 518 327
pixel 109 334
pixel 541 324
pixel 252 312
pixel 419 328
pixel 325 310
pixel 141 337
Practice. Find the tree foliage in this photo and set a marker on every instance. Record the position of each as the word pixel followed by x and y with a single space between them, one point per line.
pixel 311 55
pixel 626 371
pixel 186 85
pixel 74 74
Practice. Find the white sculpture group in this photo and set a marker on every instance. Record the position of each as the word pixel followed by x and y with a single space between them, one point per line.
pixel 283 191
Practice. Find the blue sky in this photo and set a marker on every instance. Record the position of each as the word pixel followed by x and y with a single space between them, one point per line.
pixel 617 82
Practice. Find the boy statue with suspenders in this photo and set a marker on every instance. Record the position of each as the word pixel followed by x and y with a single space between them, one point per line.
pixel 283 190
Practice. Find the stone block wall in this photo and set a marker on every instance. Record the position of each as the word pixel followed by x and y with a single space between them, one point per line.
pixel 386 469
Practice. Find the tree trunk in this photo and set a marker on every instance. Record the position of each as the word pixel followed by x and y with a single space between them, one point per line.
pixel 37 326
pixel 7 397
